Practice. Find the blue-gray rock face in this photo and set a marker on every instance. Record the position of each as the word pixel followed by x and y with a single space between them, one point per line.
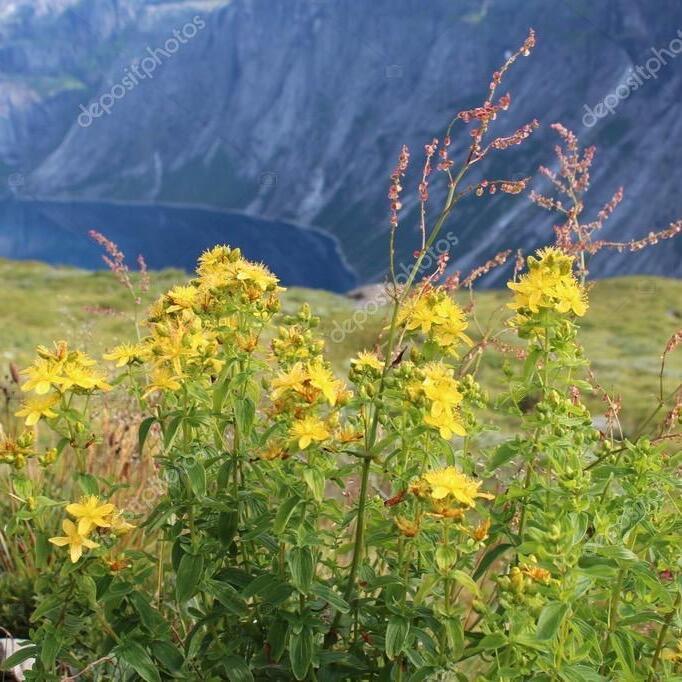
pixel 296 109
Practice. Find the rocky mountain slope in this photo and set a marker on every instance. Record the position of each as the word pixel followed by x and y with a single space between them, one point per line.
pixel 296 109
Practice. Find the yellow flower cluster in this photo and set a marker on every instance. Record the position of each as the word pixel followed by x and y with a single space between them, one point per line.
pixel 54 373
pixel 441 391
pixel 549 284
pixel 309 381
pixel 295 340
pixel 223 268
pixel 367 361
pixel 432 311
pixel 15 451
pixel 310 429
pixel 449 485
pixel 90 514
pixel 191 325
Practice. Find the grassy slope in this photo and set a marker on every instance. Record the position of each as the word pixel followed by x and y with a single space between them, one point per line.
pixel 624 333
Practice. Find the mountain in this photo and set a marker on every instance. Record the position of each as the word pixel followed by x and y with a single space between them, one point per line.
pixel 295 110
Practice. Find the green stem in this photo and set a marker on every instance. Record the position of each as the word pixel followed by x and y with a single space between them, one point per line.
pixel 661 637
pixel 359 528
pixel 613 615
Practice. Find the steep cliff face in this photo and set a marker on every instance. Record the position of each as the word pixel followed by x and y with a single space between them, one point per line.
pixel 296 109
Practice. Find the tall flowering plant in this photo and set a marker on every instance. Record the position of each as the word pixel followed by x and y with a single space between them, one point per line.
pixel 319 529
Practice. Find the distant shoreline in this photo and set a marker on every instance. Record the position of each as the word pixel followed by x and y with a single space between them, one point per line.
pixel 206 208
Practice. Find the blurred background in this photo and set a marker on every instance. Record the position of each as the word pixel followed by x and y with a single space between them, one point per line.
pixel 274 125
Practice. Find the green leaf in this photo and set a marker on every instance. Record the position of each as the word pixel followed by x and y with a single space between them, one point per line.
pixel 445 557
pixel 495 640
pixel 301 565
pixel 598 567
pixel 465 580
pixel 551 617
pixel 332 598
pixel 244 413
pixel 136 656
pixel 168 655
pixel 50 648
pixel 228 597
pixel 622 645
pixel 621 554
pixel 489 557
pixel 425 588
pixel 284 513
pixel 190 572
pixel 502 455
pixel 237 669
pixel 260 586
pixel 455 633
pixel 149 616
pixel 197 478
pixel 143 432
pixel 170 431
pixel 88 588
pixel 531 362
pixel 580 673
pixel 42 549
pixel 277 639
pixel 22 486
pixel 397 630
pixel 88 484
pixel 314 478
pixel 220 389
pixel 19 657
pixel 228 522
pixel 300 651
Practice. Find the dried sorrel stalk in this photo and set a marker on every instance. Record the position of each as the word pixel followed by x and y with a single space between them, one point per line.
pixel 572 182
pixel 116 262
pixel 482 116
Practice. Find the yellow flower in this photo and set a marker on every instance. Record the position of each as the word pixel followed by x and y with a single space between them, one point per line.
pixel 215 258
pixel 256 274
pixel 537 574
pixel 367 360
pixel 309 430
pixel 162 380
pixel 273 450
pixel 446 422
pixel 125 354
pixel 91 514
pixel 441 388
pixel 549 284
pixel 433 312
pixel 349 434
pixel 323 380
pixel 292 380
pixel 482 530
pixel 450 482
pixel 75 540
pixel 35 408
pixel 181 298
pixel 42 375
pixel 79 376
pixel 571 297
pixel 118 525
pixel 406 527
pixel 59 353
